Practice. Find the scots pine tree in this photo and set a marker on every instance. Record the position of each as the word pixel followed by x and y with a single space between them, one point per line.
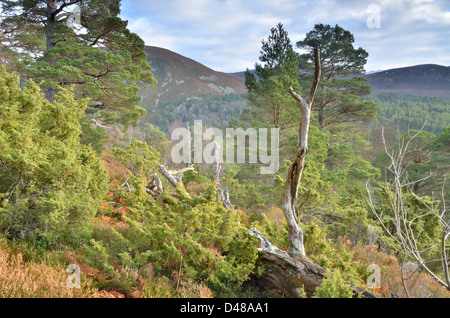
pixel 339 98
pixel 268 85
pixel 100 57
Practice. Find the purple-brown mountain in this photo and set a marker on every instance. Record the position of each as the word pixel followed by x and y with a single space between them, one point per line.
pixel 181 77
pixel 421 80
pixel 188 90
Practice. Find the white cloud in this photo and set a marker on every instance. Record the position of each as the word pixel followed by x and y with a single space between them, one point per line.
pixel 153 35
pixel 226 34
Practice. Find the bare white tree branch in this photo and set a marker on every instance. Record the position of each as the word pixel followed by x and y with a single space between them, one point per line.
pixel 404 233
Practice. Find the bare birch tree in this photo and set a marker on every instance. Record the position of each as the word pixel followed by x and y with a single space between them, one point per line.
pixel 403 231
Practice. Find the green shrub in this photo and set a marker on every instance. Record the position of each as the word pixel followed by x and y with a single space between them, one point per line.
pixel 181 237
pixel 334 286
pixel 329 255
pixel 50 184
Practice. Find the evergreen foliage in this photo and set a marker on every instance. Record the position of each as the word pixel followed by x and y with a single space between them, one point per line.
pixel 100 58
pixel 269 84
pixel 339 99
pixel 63 198
pixel 50 184
pixel 410 112
pixel 214 110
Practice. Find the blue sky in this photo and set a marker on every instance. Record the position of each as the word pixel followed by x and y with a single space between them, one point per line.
pixel 226 35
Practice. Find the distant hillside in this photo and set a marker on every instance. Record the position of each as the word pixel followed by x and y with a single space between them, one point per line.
pixel 242 74
pixel 188 90
pixel 183 84
pixel 420 80
pixel 179 76
pixel 411 112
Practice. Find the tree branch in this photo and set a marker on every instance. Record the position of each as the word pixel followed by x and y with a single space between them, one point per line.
pixel 155 187
pixel 223 195
pixel 173 182
pixel 403 233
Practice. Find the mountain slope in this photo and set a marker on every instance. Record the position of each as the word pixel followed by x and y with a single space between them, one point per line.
pixel 179 77
pixel 420 80
pixel 188 90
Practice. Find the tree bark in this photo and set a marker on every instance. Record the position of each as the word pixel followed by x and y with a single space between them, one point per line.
pixel 155 187
pixel 50 24
pixel 322 116
pixel 293 275
pixel 49 33
pixel 174 181
pixel 295 233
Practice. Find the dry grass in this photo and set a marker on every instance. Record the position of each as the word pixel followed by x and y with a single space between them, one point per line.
pixel 25 274
pixel 21 279
pixel 117 172
pixel 418 285
pixel 191 289
pixel 195 189
pixel 163 287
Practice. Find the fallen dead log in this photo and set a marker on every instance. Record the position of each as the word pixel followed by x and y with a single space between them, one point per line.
pixel 295 276
pixel 155 187
pixel 169 174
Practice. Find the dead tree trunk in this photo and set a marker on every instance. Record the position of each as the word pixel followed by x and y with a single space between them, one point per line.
pixel 292 271
pixel 223 194
pixel 295 276
pixel 155 187
pixel 296 247
pixel 283 272
pixel 174 181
